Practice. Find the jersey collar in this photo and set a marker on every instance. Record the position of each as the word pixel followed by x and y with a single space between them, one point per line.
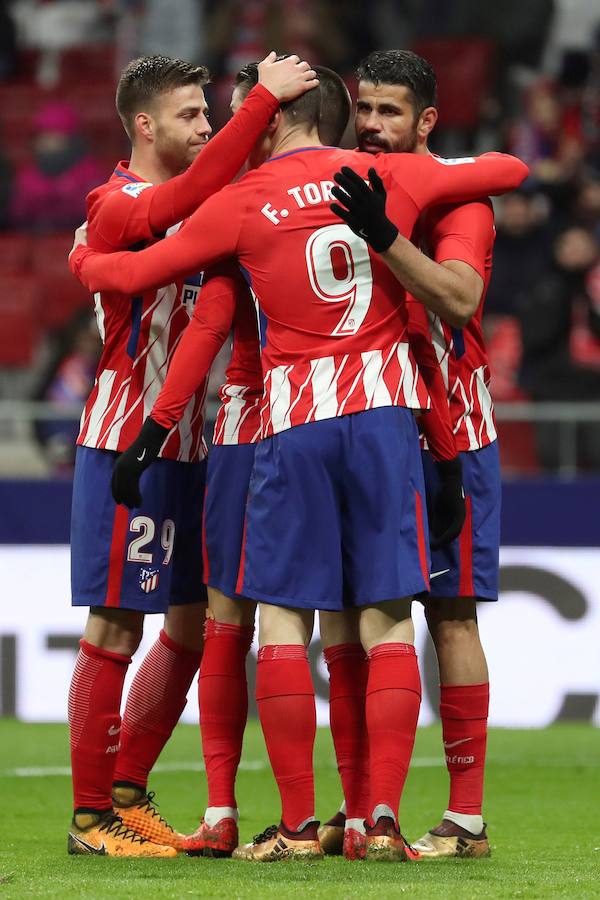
pixel 298 150
pixel 122 170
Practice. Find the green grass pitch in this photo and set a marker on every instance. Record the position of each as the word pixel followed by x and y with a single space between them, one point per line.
pixel 542 805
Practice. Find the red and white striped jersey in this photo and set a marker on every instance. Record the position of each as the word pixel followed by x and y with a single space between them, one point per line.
pixel 225 307
pixel 238 418
pixel 336 339
pixel 464 232
pixel 140 334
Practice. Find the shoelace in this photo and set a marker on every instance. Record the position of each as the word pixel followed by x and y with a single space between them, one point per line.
pixel 114 824
pixel 265 835
pixel 148 804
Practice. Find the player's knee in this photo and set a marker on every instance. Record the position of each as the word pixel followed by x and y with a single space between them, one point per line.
pixel 229 610
pixel 283 625
pixel 452 623
pixel 387 623
pixel 339 627
pixel 185 625
pixel 117 630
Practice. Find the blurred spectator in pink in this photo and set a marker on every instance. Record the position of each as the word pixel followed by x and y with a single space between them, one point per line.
pixel 6 182
pixel 50 189
pixel 66 381
pixel 548 136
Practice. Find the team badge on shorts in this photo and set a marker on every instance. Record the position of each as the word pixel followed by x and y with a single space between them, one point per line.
pixel 149 580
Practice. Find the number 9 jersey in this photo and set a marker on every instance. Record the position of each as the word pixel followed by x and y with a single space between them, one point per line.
pixel 335 339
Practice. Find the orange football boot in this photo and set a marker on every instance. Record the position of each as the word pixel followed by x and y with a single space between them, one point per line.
pixel 107 835
pixel 139 811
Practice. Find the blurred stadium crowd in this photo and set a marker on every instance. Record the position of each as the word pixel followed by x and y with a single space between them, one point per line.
pixel 522 77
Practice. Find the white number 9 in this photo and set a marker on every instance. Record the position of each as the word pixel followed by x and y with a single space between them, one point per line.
pixel 355 288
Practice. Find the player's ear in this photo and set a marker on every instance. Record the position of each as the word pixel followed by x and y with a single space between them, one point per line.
pixel 274 123
pixel 144 126
pixel 426 122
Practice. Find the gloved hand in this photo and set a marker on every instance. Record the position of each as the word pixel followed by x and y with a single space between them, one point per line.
pixel 364 208
pixel 125 482
pixel 447 506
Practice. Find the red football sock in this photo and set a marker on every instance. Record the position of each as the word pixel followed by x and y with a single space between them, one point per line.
pixel 348 671
pixel 286 705
pixel 392 710
pixel 223 699
pixel 464 714
pixel 95 721
pixel 155 702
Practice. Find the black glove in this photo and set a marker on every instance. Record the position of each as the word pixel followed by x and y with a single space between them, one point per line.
pixel 364 208
pixel 447 506
pixel 125 482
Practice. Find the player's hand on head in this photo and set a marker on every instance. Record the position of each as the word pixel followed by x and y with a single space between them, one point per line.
pixel 80 237
pixel 446 508
pixel 362 207
pixel 286 78
pixel 125 482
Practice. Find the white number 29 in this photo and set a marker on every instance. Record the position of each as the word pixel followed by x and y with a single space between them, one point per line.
pixel 146 526
pixel 354 287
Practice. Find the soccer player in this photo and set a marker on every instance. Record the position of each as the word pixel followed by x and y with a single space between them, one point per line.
pixel 226 301
pixel 396 112
pixel 335 515
pixel 124 565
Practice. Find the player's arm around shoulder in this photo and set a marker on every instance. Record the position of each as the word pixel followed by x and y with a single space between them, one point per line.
pixel 119 218
pixel 460 238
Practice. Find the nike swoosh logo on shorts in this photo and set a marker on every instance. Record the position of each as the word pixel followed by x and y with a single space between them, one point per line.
pixel 441 572
pixel 449 744
pixel 140 458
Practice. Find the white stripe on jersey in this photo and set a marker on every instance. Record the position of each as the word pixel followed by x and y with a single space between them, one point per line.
pixel 465 416
pixel 112 441
pixel 279 397
pixel 409 377
pixel 235 412
pixel 166 307
pixel 100 408
pixel 324 382
pixel 486 405
pixel 376 391
pixel 99 311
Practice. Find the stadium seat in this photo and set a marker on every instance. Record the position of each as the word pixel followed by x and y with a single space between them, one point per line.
pixel 50 253
pixel 98 63
pixel 20 330
pixel 15 251
pixel 464 68
pixel 61 296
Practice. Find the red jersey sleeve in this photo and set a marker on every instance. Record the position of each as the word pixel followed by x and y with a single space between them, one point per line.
pixel 140 211
pixel 436 423
pixel 429 180
pixel 223 289
pixel 208 237
pixel 461 232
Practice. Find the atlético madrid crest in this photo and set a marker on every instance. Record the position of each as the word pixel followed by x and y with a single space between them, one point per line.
pixel 149 579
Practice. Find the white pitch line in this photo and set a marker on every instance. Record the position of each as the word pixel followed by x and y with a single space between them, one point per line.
pixel 250 765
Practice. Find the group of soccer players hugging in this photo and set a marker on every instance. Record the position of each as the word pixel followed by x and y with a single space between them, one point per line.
pixel 353 467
